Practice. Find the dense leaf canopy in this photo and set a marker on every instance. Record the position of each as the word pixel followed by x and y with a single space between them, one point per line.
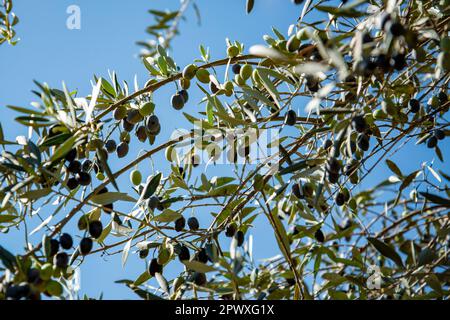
pixel 375 78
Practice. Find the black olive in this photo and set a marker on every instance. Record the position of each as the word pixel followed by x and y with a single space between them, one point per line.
pixel 291 118
pixel 340 199
pixel 230 231
pixel 414 105
pixel 153 125
pixel 33 275
pixel 202 256
pixel 177 101
pixel 432 142
pixel 74 166
pixel 54 247
pixel 236 68
pixel 439 134
pixel 180 223
pixel 86 165
pixel 122 149
pixel 83 178
pixel 111 146
pixel 239 238
pixel 200 279
pixel 184 253
pixel 359 124
pixel 363 142
pixel 71 155
pixel 193 223
pixel 72 183
pixel 66 241
pixel 95 229
pixel 143 253
pixel 141 134
pixel 320 237
pixel 61 260
pixel 127 126
pixel 155 267
pixel 86 245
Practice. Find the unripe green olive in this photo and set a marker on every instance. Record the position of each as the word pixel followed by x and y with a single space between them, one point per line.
pixel 136 177
pixel 120 113
pixel 185 83
pixel 232 51
pixel 246 71
pixel 147 109
pixel 189 71
pixel 202 75
pixel 239 80
pixel 379 114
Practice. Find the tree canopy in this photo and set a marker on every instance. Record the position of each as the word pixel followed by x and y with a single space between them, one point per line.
pixel 375 75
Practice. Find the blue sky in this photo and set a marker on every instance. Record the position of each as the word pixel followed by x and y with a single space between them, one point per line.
pixel 49 52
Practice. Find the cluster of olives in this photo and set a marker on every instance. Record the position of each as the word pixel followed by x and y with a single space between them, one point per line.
pixel 438 134
pixel 129 118
pixel 180 98
pixel 79 171
pixel 192 223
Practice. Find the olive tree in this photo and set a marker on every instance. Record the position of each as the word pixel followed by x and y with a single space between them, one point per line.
pixel 374 75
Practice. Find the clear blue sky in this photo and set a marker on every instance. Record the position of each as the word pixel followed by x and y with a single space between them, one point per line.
pixel 49 52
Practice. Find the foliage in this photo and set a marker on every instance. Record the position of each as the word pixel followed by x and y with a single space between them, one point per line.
pixel 7 21
pixel 376 77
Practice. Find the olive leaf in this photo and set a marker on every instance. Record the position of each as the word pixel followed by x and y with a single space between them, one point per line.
pixel 386 251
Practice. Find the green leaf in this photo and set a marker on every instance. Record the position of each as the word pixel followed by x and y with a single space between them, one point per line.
pixel 394 168
pixel 7 258
pixel 35 194
pixel 198 266
pixel 435 199
pixel 111 197
pixel 386 251
pixel 64 149
pixel 167 216
pixel 426 256
pixel 151 186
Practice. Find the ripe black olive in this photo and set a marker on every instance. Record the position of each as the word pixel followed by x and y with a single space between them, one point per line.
pixel 340 199
pixel 291 118
pixel 95 229
pixel 193 223
pixel 54 247
pixel 61 260
pixel 363 142
pixel 72 183
pixel 230 231
pixel 74 166
pixel 239 238
pixel 180 223
pixel 359 124
pixel 200 279
pixel 155 267
pixel 122 149
pixel 86 246
pixel 184 253
pixel 414 105
pixel 439 134
pixel 66 241
pixel 111 146
pixel 236 68
pixel 320 237
pixel 202 256
pixel 83 178
pixel 177 101
pixel 432 142
pixel 86 165
pixel 71 155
